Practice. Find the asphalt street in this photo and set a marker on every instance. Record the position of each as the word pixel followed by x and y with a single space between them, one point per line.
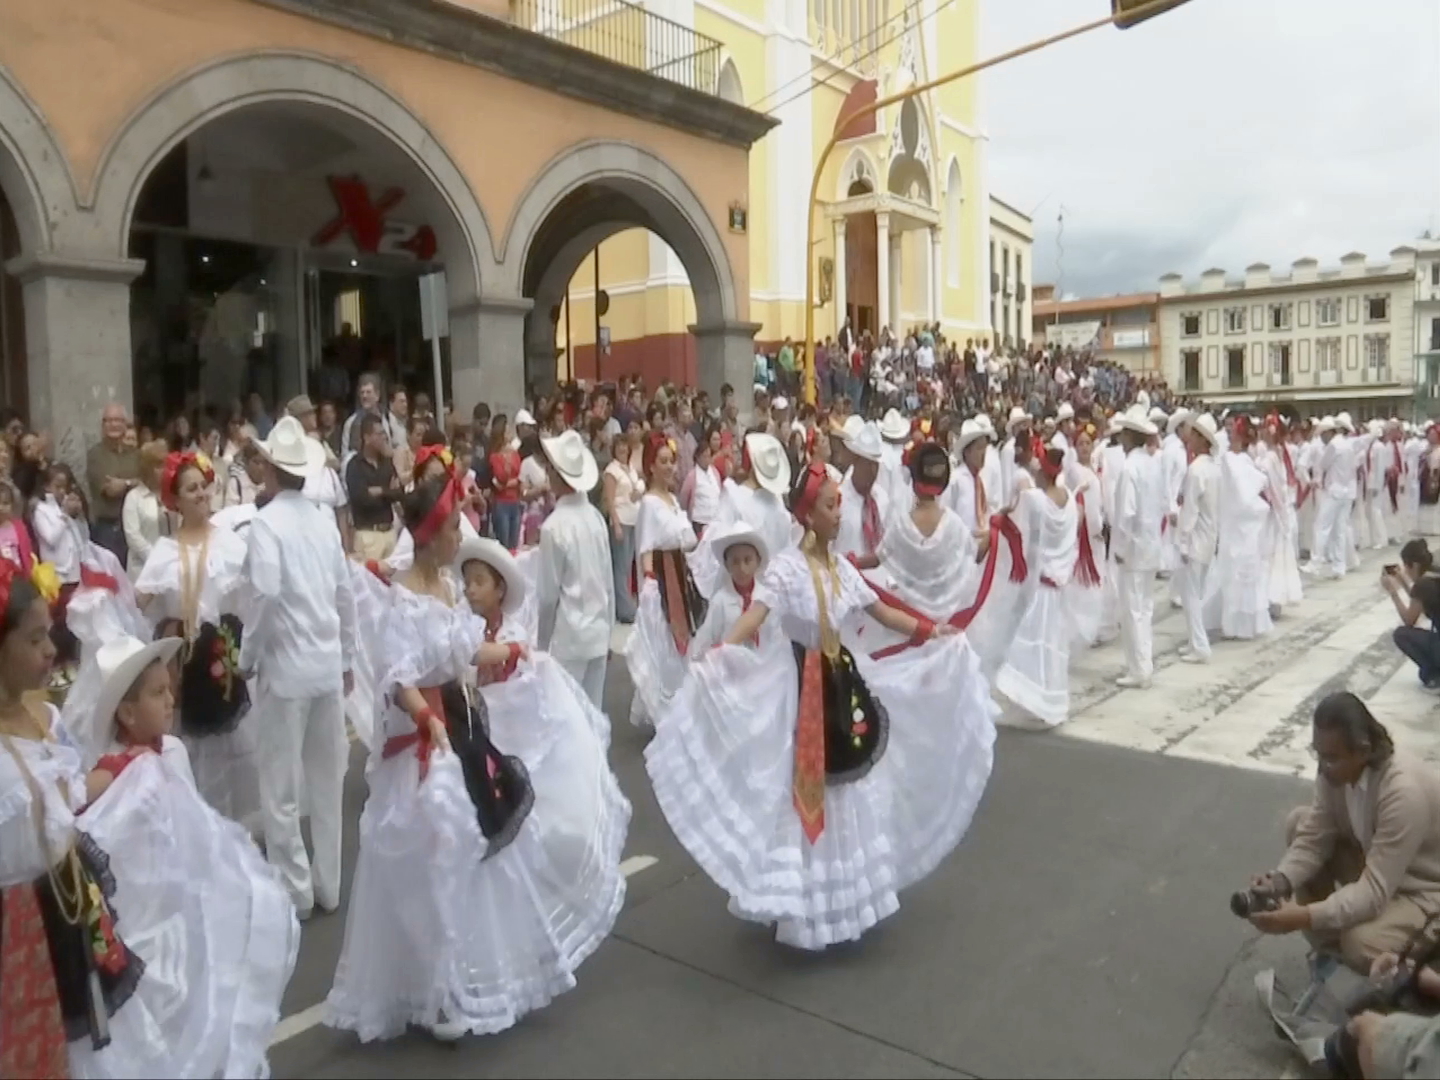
pixel 1081 929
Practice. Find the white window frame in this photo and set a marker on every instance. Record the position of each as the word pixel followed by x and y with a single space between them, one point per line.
pixel 1327 354
pixel 1327 304
pixel 1287 310
pixel 1369 318
pixel 1235 320
pixel 1377 351
pixel 1199 317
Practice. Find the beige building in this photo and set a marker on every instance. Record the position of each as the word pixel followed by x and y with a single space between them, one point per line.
pixel 1012 242
pixel 1121 329
pixel 1323 339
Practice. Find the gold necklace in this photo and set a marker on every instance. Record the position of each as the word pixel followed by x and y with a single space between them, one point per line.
pixel 822 566
pixel 192 580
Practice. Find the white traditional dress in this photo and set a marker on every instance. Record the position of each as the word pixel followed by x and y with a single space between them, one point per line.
pixel 761 510
pixel 1086 592
pixel 1036 671
pixel 465 912
pixel 670 609
pixel 1237 592
pixel 1282 489
pixel 813 809
pixel 199 587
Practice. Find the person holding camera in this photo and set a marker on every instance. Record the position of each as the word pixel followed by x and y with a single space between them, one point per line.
pixel 1362 872
pixel 1414 586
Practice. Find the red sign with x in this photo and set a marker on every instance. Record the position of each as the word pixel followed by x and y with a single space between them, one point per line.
pixel 362 219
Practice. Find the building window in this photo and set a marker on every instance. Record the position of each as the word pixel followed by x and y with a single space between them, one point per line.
pixel 1190 370
pixel 1235 320
pixel 1435 332
pixel 1235 367
pixel 1190 324
pixel 1327 311
pixel 1435 273
pixel 1377 308
pixel 1280 316
pixel 1327 354
pixel 1377 357
pixel 1279 363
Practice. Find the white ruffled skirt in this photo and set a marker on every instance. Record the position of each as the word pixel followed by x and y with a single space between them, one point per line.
pixel 656 667
pixel 1036 673
pixel 722 768
pixel 1284 578
pixel 213 923
pixel 438 933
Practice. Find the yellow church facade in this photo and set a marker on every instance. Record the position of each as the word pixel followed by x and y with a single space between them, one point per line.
pixel 902 226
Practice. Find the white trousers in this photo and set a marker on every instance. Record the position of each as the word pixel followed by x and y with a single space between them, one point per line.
pixel 1332 535
pixel 303 756
pixel 590 674
pixel 1137 612
pixel 1191 584
pixel 1375 507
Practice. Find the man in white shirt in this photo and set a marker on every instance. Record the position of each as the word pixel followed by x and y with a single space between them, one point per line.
pixel 1140 506
pixel 1197 532
pixel 299 646
pixel 575 588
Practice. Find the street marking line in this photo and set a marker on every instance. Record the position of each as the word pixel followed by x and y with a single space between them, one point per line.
pixel 299 1023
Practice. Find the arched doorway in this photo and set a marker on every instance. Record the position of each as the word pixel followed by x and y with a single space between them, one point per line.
pixel 592 193
pixel 284 231
pixel 862 286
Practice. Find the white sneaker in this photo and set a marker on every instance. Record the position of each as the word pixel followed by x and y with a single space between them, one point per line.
pixel 1130 682
pixel 1195 657
pixel 448 1031
pixel 1184 650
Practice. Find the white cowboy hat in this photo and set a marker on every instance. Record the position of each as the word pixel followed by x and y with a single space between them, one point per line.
pixel 1205 424
pixel 725 537
pixel 1143 398
pixel 1375 427
pixel 868 444
pixel 983 419
pixel 768 462
pixel 851 427
pixel 1017 416
pixel 1157 416
pixel 1059 442
pixel 1135 419
pixel 290 450
pixel 121 662
pixel 572 460
pixel 1324 424
pixel 1344 422
pixel 1178 417
pixel 894 428
pixel 1065 412
pixel 1112 427
pixel 524 417
pixel 493 554
pixel 970 430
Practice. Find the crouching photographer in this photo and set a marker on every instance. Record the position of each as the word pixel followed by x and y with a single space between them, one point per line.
pixel 1361 876
pixel 1394 1031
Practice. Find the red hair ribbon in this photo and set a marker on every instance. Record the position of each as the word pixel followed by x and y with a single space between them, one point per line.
pixel 94 579
pixel 426 454
pixel 1085 569
pixel 815 478
pixel 654 443
pixel 9 573
pixel 439 513
pixel 175 464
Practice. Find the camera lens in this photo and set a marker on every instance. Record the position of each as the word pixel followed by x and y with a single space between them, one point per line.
pixel 1240 904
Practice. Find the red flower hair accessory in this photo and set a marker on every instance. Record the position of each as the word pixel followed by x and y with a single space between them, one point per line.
pixel 177 463
pixel 814 477
pixel 427 454
pixel 654 443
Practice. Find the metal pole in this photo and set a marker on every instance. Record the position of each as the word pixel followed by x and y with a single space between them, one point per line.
pixel 1156 6
pixel 595 303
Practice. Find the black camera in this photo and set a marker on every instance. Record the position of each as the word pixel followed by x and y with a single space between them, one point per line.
pixel 1268 898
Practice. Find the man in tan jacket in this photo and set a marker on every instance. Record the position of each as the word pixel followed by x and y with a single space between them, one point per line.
pixel 1364 856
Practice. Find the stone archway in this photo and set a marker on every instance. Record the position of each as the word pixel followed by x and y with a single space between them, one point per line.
pixel 596 189
pixel 194 100
pixel 33 172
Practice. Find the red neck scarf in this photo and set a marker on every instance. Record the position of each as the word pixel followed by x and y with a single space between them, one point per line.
pixel 746 594
pixel 870 523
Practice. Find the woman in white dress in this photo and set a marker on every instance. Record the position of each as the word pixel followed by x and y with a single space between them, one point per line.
pixel 1237 588
pixel 813 785
pixel 461 916
pixel 1085 594
pixel 1036 672
pixel 1282 491
pixel 671 608
pixel 194 587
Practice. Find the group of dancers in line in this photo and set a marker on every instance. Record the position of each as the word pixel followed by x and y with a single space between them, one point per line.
pixel 819 666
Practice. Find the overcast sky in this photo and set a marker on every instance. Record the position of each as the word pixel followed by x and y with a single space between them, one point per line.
pixel 1223 133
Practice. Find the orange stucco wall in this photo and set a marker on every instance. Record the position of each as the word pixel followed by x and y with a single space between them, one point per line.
pixel 88 66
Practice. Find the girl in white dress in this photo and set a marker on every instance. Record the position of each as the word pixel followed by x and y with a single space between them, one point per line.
pixel 743 553
pixel 1036 672
pixel 1282 490
pixel 671 608
pixel 757 501
pixel 782 773
pixel 1085 594
pixel 193 586
pixel 456 921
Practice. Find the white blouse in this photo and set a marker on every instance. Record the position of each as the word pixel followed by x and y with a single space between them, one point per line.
pixel 934 574
pixel 629 486
pixel 662 526
pixel 62 539
pixel 705 495
pixel 787 589
pixel 56 768
pixel 144 521
pixel 222 587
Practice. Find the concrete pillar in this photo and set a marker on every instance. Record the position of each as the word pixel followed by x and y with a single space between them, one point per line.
pixel 77 337
pixel 897 292
pixel 937 282
pixel 839 294
pixel 725 353
pixel 882 266
pixel 487 354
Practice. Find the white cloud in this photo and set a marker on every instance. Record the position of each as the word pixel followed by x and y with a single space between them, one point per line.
pixel 1222 133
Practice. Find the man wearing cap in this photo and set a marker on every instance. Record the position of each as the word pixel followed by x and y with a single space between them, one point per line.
pixel 575 588
pixel 1141 503
pixel 864 504
pixel 299 647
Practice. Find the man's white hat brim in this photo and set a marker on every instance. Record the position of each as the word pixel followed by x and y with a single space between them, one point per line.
pixel 121 662
pixel 724 538
pixel 768 462
pixel 493 554
pixel 572 460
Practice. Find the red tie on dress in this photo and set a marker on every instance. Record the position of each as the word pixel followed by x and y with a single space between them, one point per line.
pixel 746 593
pixel 870 523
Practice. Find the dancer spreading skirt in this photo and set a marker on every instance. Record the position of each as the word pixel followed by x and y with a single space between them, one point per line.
pixel 671 608
pixel 464 914
pixel 757 501
pixel 813 785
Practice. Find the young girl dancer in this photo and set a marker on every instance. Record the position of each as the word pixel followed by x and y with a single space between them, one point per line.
pixel 757 500
pixel 782 773
pixel 671 607
pixel 454 923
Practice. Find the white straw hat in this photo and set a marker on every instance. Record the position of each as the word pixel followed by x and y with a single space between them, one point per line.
pixel 723 538
pixel 894 427
pixel 1205 424
pixel 493 554
pixel 868 444
pixel 971 430
pixel 768 462
pixel 290 450
pixel 122 661
pixel 1018 416
pixel 572 460
pixel 1135 419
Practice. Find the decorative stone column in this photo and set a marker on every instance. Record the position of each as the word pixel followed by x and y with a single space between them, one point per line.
pixel 838 296
pixel 937 281
pixel 487 354
pixel 882 267
pixel 725 353
pixel 77 337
